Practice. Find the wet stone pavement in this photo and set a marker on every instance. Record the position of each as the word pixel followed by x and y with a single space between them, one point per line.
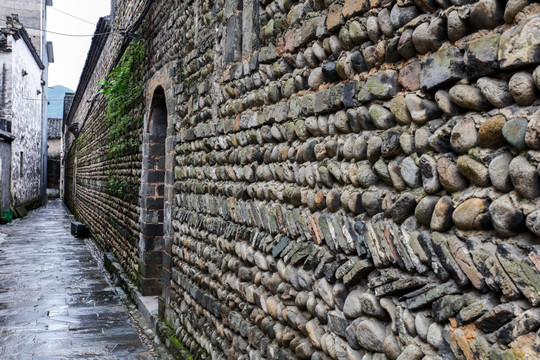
pixel 55 301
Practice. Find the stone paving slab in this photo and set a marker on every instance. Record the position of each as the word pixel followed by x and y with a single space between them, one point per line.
pixel 55 302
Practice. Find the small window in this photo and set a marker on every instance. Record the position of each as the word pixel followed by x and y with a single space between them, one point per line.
pixel 21 165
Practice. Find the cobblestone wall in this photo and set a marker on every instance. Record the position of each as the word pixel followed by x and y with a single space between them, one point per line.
pixel 358 180
pixel 113 219
pixel 353 179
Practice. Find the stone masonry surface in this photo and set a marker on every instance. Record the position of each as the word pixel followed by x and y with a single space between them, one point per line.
pixel 54 300
pixel 114 221
pixel 352 179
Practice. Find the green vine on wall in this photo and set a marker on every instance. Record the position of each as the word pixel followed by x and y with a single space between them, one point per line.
pixel 125 97
pixel 124 91
pixel 118 187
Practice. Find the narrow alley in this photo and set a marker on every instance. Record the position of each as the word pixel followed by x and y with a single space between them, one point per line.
pixel 55 302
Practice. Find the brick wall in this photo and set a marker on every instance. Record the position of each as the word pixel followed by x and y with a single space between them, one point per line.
pixel 352 179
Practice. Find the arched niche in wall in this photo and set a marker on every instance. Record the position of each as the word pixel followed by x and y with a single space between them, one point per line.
pixel 153 197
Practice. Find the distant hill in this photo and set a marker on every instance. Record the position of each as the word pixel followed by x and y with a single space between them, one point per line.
pixel 56 101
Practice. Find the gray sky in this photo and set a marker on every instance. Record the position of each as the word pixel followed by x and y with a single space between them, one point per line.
pixel 70 52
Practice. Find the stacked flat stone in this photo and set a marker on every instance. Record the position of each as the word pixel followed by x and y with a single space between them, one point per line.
pixel 362 182
pixel 353 179
pixel 367 188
